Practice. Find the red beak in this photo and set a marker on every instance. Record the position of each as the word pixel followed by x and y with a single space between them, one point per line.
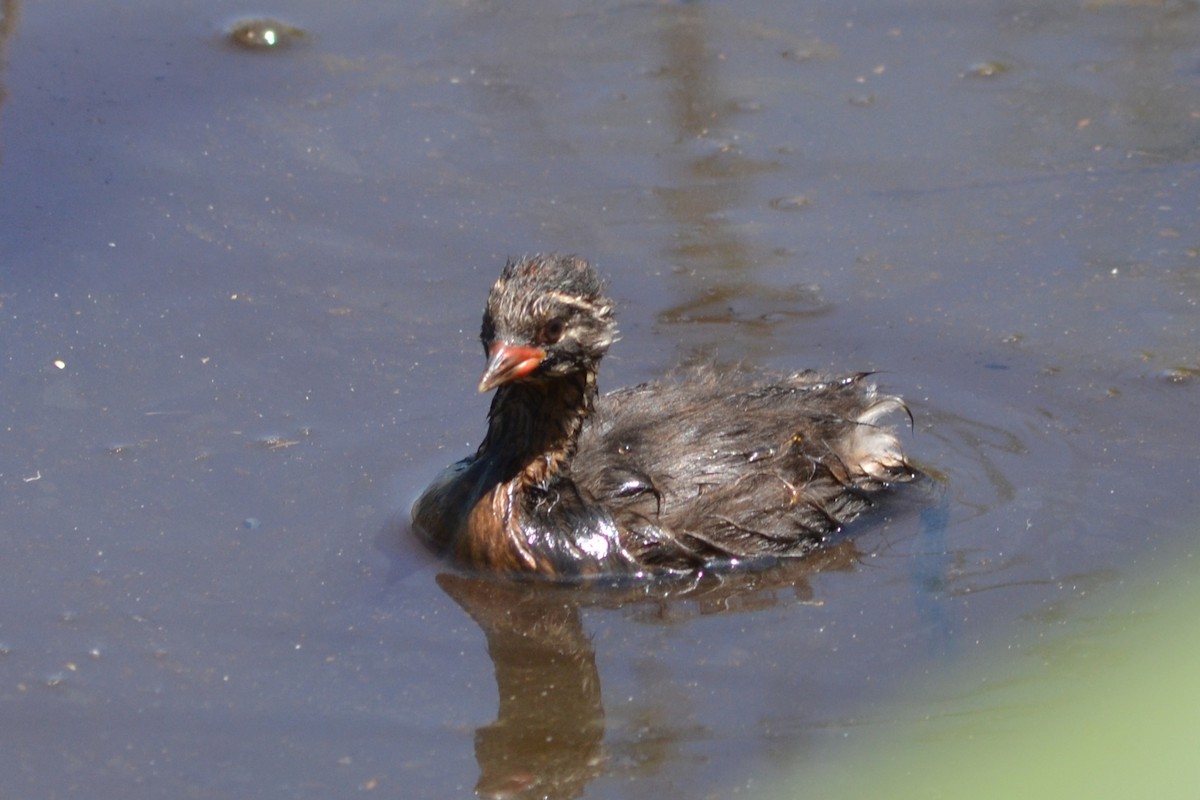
pixel 509 362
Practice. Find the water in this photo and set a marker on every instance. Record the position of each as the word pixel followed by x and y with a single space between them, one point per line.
pixel 238 315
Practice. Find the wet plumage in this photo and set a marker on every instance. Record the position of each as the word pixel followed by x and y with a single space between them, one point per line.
pixel 711 468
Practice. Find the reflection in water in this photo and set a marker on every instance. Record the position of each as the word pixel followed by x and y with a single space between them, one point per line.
pixel 547 739
pixel 709 181
pixel 9 13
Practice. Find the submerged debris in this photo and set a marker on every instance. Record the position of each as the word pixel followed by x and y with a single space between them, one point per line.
pixel 1179 374
pixel 986 69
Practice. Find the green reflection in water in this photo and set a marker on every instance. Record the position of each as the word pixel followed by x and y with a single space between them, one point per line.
pixel 1109 709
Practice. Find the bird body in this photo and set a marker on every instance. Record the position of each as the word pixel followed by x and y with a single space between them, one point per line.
pixel 714 468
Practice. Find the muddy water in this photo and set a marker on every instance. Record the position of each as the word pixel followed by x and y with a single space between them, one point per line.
pixel 240 293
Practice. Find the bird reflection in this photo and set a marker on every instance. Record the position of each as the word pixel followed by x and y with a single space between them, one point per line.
pixel 547 739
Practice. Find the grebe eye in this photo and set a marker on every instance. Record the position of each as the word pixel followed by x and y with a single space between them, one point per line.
pixel 553 330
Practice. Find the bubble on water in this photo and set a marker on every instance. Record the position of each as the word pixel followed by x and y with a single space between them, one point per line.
pixel 265 34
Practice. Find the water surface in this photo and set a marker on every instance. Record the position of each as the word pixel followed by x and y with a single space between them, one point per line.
pixel 238 315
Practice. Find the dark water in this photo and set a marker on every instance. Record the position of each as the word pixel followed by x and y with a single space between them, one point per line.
pixel 239 298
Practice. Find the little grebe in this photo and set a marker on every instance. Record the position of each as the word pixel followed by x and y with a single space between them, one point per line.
pixel 671 478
